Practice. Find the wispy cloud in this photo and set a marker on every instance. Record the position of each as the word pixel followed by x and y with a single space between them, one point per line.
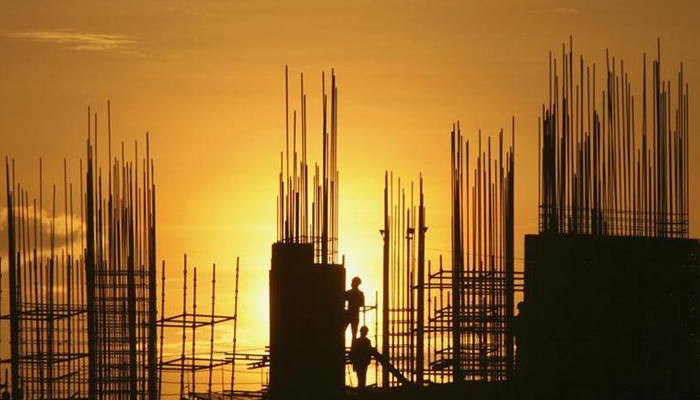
pixel 566 10
pixel 560 11
pixel 80 41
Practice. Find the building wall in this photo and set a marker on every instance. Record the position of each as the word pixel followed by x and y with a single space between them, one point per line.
pixel 611 313
pixel 307 353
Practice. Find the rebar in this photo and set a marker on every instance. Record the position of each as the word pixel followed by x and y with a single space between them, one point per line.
pixel 598 174
pixel 294 224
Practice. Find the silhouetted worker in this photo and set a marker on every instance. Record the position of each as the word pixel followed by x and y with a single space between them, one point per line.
pixel 361 355
pixel 520 333
pixel 356 300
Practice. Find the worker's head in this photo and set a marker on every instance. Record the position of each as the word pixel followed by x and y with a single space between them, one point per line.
pixel 363 331
pixel 356 282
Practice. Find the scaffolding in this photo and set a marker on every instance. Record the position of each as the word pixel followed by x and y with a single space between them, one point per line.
pixel 190 364
pixel 82 321
pixel 402 325
pixel 47 314
pixel 120 274
pixel 466 332
pixel 82 314
pixel 483 273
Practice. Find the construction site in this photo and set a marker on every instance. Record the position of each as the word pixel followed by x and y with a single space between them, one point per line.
pixel 606 306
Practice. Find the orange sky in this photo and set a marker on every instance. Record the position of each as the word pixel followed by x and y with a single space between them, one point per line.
pixel 206 78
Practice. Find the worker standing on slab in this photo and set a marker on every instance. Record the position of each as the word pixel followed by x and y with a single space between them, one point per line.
pixel 356 300
pixel 361 355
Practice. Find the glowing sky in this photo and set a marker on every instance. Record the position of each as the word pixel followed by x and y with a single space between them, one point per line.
pixel 206 78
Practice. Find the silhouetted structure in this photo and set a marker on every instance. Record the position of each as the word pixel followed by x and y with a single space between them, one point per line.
pixel 83 323
pixel 466 333
pixel 477 314
pixel 612 279
pixel 403 313
pixel 611 298
pixel 612 313
pixel 48 340
pixel 307 352
pixel 120 274
pixel 190 365
pixel 82 313
pixel 307 285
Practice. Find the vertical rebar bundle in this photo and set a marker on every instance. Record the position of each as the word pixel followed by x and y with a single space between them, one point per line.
pixel 47 312
pixel 294 223
pixel 600 173
pixel 470 331
pixel 83 322
pixel 466 332
pixel 404 257
pixel 120 271
pixel 82 289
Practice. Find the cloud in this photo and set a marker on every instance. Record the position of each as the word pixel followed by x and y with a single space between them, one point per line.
pixel 565 10
pixel 79 41
pixel 559 11
pixel 65 228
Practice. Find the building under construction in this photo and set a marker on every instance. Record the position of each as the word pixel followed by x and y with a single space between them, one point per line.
pixel 452 324
pixel 307 284
pixel 610 286
pixel 439 325
pixel 82 288
pixel 612 279
pixel 82 319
